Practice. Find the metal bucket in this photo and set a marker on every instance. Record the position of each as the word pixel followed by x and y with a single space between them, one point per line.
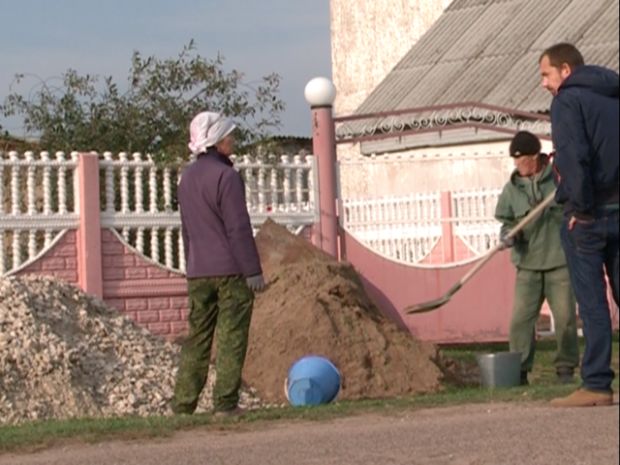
pixel 501 369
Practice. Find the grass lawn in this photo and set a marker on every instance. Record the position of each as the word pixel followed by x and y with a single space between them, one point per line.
pixel 34 435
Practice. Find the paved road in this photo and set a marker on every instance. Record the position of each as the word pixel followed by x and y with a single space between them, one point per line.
pixel 484 434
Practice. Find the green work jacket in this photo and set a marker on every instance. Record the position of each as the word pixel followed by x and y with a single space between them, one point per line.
pixel 538 246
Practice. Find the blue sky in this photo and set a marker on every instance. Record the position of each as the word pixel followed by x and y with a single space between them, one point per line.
pixel 256 37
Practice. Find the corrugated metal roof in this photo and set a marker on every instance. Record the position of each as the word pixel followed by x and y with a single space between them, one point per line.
pixel 487 51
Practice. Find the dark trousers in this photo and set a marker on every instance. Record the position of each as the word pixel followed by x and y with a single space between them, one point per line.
pixel 220 306
pixel 591 251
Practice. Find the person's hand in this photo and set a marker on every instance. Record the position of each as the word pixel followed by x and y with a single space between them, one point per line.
pixel 574 220
pixel 256 283
pixel 571 223
pixel 506 242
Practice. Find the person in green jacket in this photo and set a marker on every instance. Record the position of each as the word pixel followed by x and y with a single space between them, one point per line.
pixel 542 272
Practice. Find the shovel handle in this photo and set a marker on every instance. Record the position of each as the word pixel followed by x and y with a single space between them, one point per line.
pixel 537 210
pixel 434 304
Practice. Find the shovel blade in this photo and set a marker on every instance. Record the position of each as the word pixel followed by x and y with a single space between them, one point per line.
pixel 426 306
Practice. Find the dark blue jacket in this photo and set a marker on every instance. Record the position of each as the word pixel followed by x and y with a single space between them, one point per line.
pixel 584 124
pixel 217 233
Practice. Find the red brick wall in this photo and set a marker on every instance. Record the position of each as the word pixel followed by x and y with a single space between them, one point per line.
pixel 143 290
pixel 60 261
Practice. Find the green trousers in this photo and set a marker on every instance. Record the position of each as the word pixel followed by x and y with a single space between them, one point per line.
pixel 532 288
pixel 220 306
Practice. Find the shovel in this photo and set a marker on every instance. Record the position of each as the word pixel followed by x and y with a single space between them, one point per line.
pixel 434 304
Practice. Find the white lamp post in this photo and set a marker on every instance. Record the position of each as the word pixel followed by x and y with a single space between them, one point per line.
pixel 320 93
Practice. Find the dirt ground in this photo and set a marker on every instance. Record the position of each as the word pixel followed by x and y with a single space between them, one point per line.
pixel 482 434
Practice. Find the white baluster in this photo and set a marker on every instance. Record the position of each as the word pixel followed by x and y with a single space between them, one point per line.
pixel 273 184
pixel 286 182
pixel 47 186
pixel 167 190
pixel 17 258
pixel 139 198
pixel 140 240
pixel 261 185
pixel 30 183
pixel 248 174
pixel 32 207
pixel 62 183
pixel 310 172
pixel 32 243
pixel 155 244
pixel 182 263
pixel 168 248
pixel 153 208
pixel 152 186
pixel 76 183
pixel 299 183
pixel 124 190
pixel 15 210
pixel 109 183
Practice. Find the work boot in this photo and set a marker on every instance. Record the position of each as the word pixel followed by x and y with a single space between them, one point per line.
pixel 584 398
pixel 523 381
pixel 565 375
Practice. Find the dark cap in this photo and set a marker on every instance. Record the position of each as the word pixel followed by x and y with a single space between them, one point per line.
pixel 524 143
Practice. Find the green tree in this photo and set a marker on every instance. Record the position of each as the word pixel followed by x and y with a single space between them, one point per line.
pixel 152 113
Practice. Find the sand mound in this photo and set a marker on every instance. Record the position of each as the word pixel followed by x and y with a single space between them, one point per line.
pixel 315 305
pixel 64 354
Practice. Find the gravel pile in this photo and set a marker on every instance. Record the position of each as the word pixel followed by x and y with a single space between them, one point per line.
pixel 64 354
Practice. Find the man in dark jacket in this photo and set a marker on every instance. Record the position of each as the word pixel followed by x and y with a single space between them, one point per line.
pixel 584 123
pixel 223 267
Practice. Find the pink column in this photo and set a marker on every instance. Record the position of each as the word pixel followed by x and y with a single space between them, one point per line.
pixel 90 275
pixel 447 227
pixel 324 147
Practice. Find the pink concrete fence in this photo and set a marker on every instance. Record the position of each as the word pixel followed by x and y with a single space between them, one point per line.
pixel 98 261
pixel 145 292
pixel 87 251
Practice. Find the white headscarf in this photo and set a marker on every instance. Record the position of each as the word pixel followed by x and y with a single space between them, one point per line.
pixel 207 129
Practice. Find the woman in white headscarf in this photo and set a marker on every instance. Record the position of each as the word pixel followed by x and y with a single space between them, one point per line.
pixel 223 267
pixel 208 129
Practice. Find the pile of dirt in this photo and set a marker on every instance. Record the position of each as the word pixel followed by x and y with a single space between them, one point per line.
pixel 316 305
pixel 64 354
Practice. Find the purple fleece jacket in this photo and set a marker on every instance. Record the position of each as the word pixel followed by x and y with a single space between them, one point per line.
pixel 215 223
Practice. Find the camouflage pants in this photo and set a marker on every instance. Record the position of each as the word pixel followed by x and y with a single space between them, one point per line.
pixel 220 306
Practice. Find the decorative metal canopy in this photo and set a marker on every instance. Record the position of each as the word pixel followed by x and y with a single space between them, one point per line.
pixel 391 124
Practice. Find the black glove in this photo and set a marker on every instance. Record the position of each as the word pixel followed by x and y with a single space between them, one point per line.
pixel 256 283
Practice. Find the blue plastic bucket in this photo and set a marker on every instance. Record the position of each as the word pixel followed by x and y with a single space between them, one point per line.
pixel 312 380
